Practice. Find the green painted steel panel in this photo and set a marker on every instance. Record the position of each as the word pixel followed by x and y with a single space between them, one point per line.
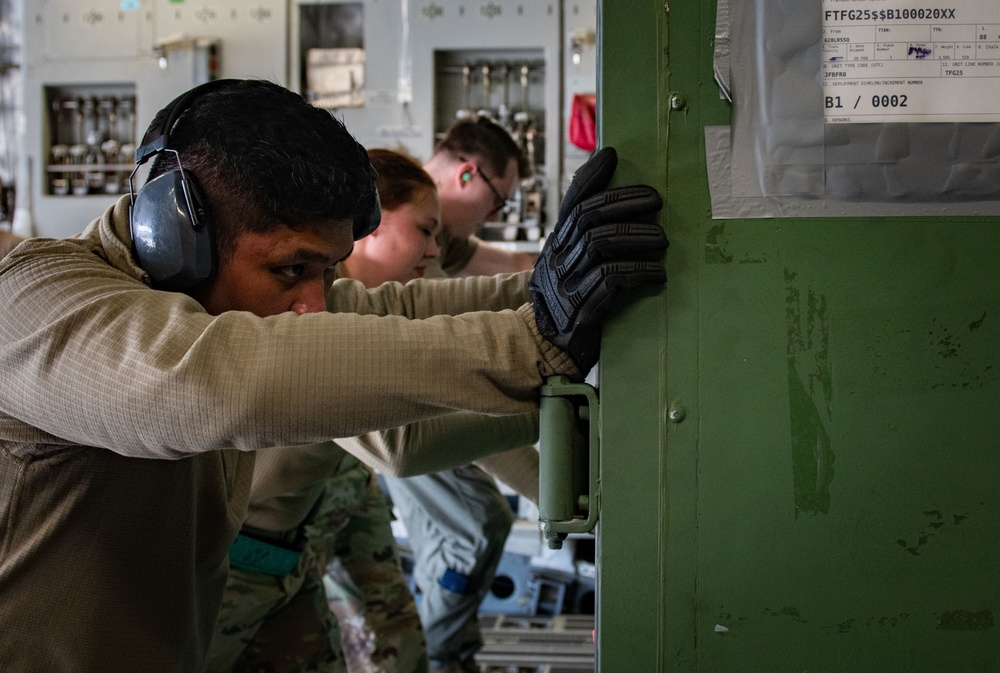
pixel 829 501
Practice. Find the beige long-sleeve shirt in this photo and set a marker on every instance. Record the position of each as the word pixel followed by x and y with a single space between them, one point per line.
pixel 127 418
pixel 287 481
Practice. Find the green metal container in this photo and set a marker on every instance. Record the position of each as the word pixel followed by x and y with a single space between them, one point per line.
pixel 799 434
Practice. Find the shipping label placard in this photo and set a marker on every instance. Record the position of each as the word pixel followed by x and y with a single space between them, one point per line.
pixel 911 61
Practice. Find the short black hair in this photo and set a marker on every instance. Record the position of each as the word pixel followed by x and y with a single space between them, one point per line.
pixel 479 136
pixel 266 158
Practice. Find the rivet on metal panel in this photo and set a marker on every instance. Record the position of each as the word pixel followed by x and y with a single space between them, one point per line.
pixel 678 101
pixel 676 413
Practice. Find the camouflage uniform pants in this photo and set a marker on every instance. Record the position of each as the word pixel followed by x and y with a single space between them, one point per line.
pixel 271 624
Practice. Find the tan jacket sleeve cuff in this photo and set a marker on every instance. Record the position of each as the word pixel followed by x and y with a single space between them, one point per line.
pixel 518 468
pixel 553 361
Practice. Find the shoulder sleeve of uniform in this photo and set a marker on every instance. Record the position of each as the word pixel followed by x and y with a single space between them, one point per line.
pixel 425 298
pixel 518 468
pixel 457 252
pixel 441 443
pixel 94 356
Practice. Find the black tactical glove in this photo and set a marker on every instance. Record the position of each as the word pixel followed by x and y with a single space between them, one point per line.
pixel 597 249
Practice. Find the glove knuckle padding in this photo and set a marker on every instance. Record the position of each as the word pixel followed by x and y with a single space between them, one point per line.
pixel 591 178
pixel 599 289
pixel 547 284
pixel 623 240
pixel 615 206
pixel 597 249
pixel 621 203
pixel 634 274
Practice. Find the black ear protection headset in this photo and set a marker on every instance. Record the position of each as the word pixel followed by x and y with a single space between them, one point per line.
pixel 169 218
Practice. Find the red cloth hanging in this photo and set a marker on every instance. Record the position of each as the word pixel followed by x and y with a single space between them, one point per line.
pixel 583 121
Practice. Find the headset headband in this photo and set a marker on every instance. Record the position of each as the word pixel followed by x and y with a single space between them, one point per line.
pixel 158 134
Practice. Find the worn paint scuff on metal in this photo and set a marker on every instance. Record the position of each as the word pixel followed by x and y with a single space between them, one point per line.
pixel 715 246
pixel 965 620
pixel 947 344
pixel 810 396
pixel 886 622
pixel 717 249
pixel 954 352
pixel 949 347
pixel 790 612
pixel 938 521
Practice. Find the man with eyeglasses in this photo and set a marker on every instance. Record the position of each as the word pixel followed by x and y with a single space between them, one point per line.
pixel 458 520
pixel 477 167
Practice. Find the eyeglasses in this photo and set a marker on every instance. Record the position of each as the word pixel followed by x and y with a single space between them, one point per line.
pixel 499 200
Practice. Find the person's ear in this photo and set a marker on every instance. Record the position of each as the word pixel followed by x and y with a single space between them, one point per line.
pixel 465 171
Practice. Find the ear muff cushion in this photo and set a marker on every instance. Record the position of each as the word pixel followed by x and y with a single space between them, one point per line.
pixel 366 224
pixel 170 232
pixel 170 226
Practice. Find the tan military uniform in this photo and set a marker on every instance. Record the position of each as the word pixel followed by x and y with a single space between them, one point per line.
pixel 127 415
pixel 277 621
pixel 455 255
pixel 281 623
pixel 263 622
